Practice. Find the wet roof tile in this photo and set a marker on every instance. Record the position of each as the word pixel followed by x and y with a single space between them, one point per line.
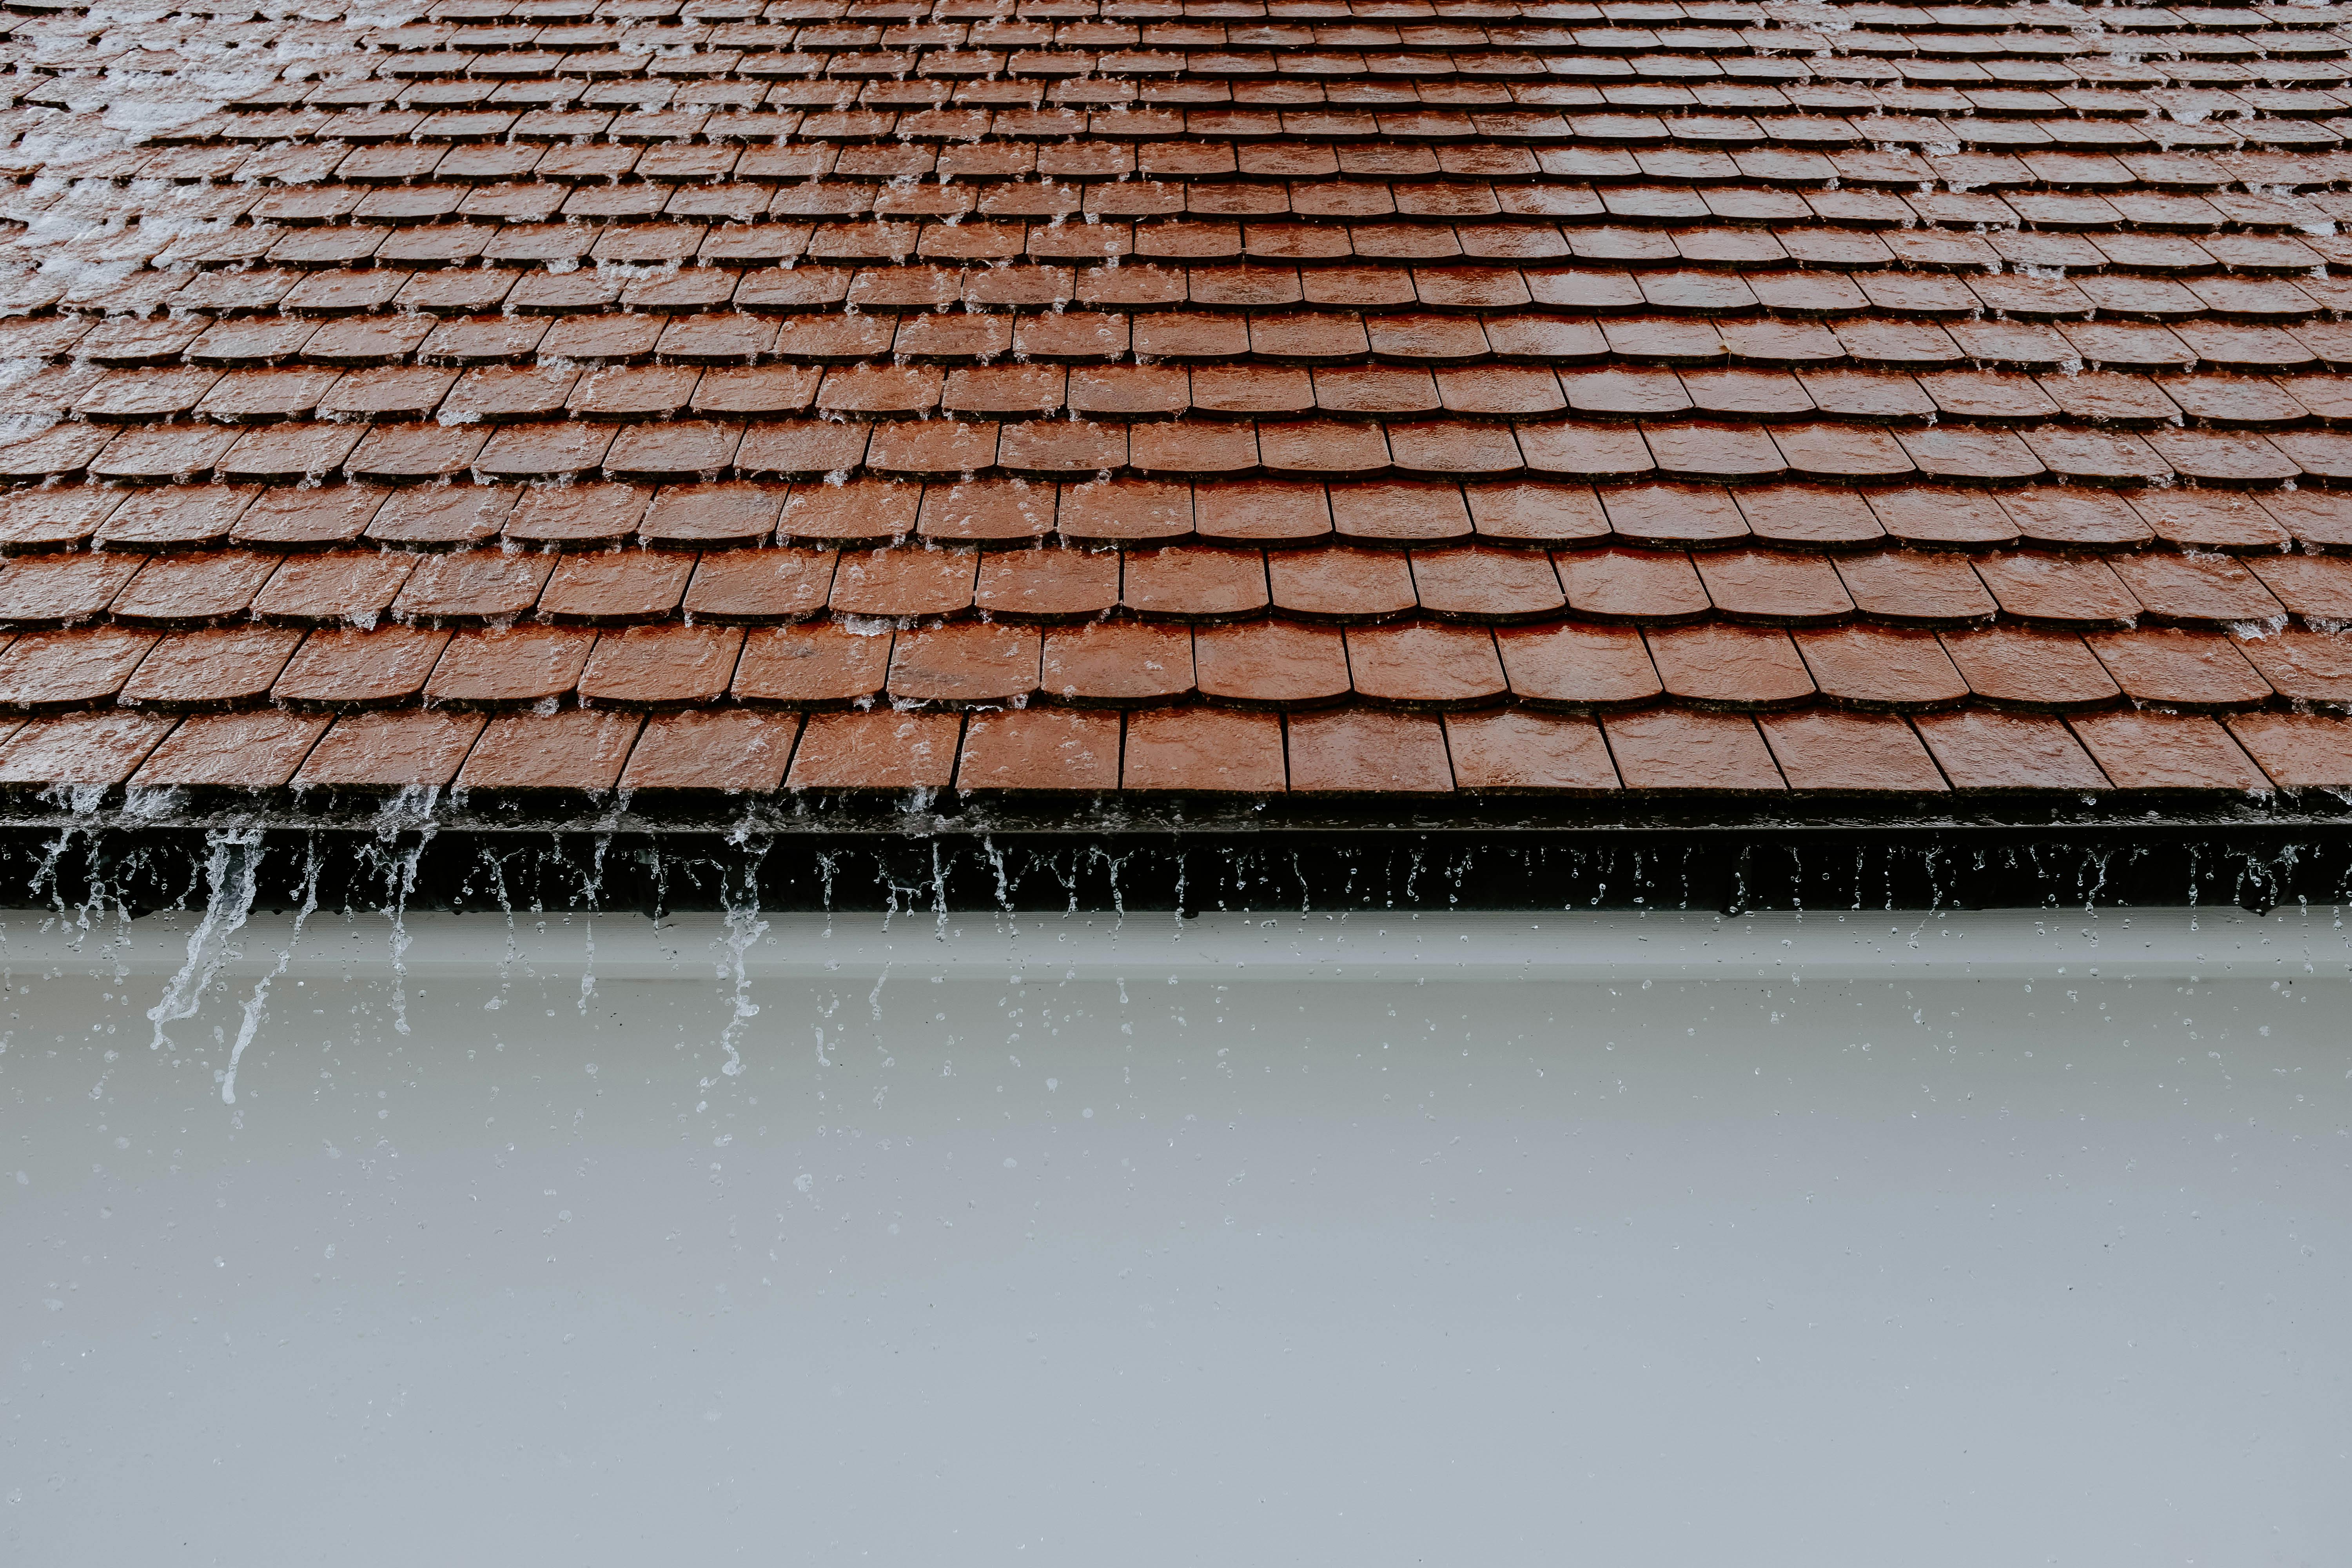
pixel 1501 361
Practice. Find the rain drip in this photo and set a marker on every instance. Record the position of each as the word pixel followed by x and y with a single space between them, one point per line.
pixel 230 872
pixel 256 1006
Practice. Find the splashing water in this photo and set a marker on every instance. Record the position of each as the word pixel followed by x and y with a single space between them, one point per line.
pixel 256 1006
pixel 412 808
pixel 230 868
pixel 744 929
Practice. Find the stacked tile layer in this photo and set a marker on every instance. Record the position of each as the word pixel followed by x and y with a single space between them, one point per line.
pixel 1322 396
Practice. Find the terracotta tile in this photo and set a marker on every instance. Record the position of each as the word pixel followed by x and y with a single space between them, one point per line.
pixel 1574 666
pixel 348 668
pixel 1266 510
pixel 2146 751
pixel 1970 455
pixel 1425 665
pixel 1915 588
pixel 1651 586
pixel 732 514
pixel 81 747
pixel 578 516
pixel 2210 519
pixel 43 591
pixel 616 588
pixel 1673 515
pixel 1117 664
pixel 1487 585
pixel 2018 666
pixel 882 750
pixel 517 666
pixel 441 516
pixel 1005 390
pixel 1450 450
pixel 1130 392
pixel 52 519
pixel 550 451
pixel 941 449
pixel 1399 513
pixel 660 667
pixel 677 450
pixel 904 582
pixel 965 663
pixel 2058 590
pixel 1322 449
pixel 2298 750
pixel 1039 750
pixel 406 454
pixel 223 667
pixel 1195 582
pixel 2180 668
pixel 1049 584
pixel 1849 753
pixel 417 746
pixel 1679 749
pixel 472 585
pixel 580 749
pixel 820 665
pixel 52 672
pixel 1980 751
pixel 760 586
pixel 1137 510
pixel 1946 517
pixel 726 751
pixel 1203 450
pixel 1882 667
pixel 1352 751
pixel 1514 752
pixel 2198 590
pixel 1273 664
pixel 802 449
pixel 1774 588
pixel 2064 518
pixel 307 519
pixel 174 519
pixel 1729 665
pixel 1534 513
pixel 260 750
pixel 859 512
pixel 505 393
pixel 1808 514
pixel 2319 518
pixel 1370 392
pixel 987 511
pixel 1204 750
pixel 1341 583
pixel 2303 666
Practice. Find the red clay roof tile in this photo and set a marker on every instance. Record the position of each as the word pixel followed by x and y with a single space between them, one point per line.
pixel 1354 751
pixel 878 750
pixel 1985 751
pixel 416 746
pixel 1204 750
pixel 728 751
pixel 580 749
pixel 1198 292
pixel 1681 750
pixel 1849 753
pixel 1039 750
pixel 257 750
pixel 1514 752
pixel 2143 751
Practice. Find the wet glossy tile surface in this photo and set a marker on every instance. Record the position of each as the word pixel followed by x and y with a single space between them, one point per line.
pixel 1330 395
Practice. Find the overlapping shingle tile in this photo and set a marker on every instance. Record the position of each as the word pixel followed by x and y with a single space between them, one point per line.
pixel 1354 398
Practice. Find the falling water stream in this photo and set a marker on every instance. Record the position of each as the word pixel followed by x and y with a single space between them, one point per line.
pixel 1821 1239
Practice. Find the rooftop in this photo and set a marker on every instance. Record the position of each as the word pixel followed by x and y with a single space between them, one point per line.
pixel 1177 398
